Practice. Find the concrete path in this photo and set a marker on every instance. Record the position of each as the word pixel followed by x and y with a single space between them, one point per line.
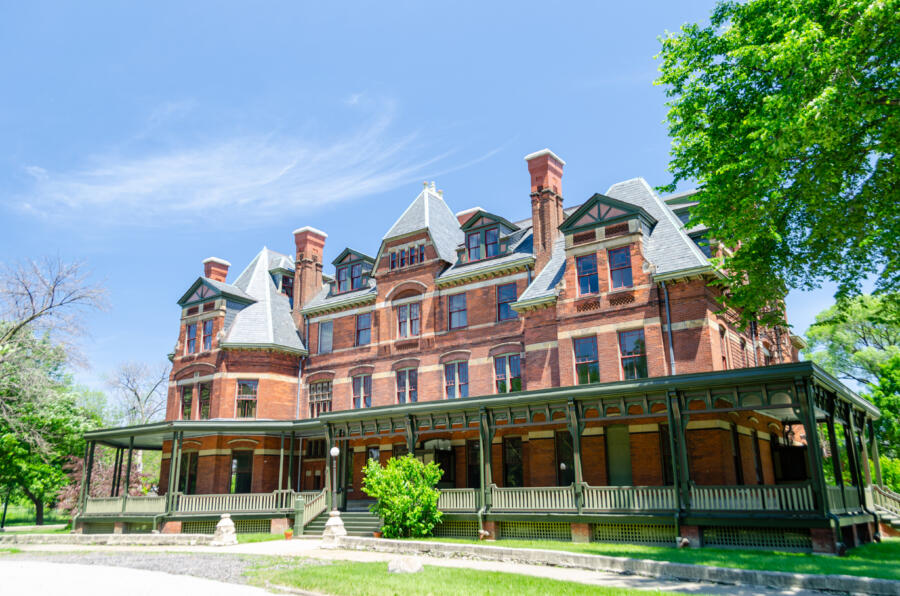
pixel 28 578
pixel 313 548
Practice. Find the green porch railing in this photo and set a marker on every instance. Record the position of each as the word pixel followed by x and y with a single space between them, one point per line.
pixel 230 503
pixel 145 505
pixel 886 499
pixel 628 498
pixel 543 498
pixel 458 499
pixel 842 499
pixel 104 505
pixel 315 505
pixel 753 498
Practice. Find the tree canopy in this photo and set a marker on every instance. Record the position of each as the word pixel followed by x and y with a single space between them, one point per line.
pixel 885 394
pixel 786 113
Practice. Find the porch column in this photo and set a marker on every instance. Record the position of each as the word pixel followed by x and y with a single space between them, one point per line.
pixel 806 395
pixel 485 438
pixel 329 489
pixel 299 464
pixel 412 435
pixel 90 470
pixel 680 462
pixel 864 453
pixel 281 464
pixel 576 426
pixel 835 452
pixel 875 458
pixel 128 466
pixel 115 474
pixel 83 476
pixel 673 412
pixel 290 461
pixel 171 484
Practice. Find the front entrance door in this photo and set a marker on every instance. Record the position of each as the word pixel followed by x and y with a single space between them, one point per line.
pixel 447 461
pixel 241 471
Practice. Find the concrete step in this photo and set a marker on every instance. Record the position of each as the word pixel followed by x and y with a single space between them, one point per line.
pixel 357 523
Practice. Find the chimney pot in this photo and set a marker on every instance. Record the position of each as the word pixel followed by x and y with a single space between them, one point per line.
pixel 216 269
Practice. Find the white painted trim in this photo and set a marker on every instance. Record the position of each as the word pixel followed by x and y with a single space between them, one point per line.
pixel 310 229
pixel 546 345
pixel 543 152
pixel 609 327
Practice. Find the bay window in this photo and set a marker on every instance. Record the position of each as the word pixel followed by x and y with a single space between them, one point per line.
pixel 187 393
pixel 246 398
pixel 204 400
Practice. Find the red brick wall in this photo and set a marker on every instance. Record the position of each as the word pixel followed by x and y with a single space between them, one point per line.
pixel 646 459
pixel 593 460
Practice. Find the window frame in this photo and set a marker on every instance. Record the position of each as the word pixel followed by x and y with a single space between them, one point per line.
pixel 476 248
pixel 321 397
pixel 206 335
pixel 190 334
pixel 408 390
pixel 451 312
pixel 207 406
pixel 454 383
pixel 343 279
pixel 411 256
pixel 361 391
pixel 614 271
pixel 505 303
pixel 245 398
pixel 587 276
pixel 421 253
pixel 368 329
pixel 595 361
pixel 393 260
pixel 356 275
pixel 407 324
pixel 507 376
pixel 187 401
pixel 329 324
pixel 632 356
pixel 402 259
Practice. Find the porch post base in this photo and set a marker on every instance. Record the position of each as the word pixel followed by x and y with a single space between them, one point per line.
pixel 280 525
pixel 690 537
pixel 119 528
pixel 78 527
pixel 334 530
pixel 581 532
pixel 825 541
pixel 171 527
pixel 493 530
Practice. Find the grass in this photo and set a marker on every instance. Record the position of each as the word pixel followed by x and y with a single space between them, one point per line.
pixel 10 551
pixel 372 579
pixel 870 560
pixel 65 530
pixel 248 538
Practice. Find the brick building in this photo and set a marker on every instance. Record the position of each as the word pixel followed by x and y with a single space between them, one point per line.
pixel 572 373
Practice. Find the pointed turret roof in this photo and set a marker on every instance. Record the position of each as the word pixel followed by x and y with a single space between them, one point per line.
pixel 428 211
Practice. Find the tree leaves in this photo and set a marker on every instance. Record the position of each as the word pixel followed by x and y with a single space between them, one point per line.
pixel 405 493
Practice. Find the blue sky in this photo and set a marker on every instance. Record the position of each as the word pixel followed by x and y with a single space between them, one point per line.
pixel 142 139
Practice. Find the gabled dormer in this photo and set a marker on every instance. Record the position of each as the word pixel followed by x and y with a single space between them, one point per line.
pixel 487 236
pixel 206 291
pixel 352 270
pixel 604 217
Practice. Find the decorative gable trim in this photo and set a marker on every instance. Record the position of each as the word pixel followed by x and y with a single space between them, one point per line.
pixel 482 218
pixel 201 290
pixel 601 210
pixel 348 255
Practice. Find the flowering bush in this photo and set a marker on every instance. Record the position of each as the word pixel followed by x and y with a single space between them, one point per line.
pixel 405 495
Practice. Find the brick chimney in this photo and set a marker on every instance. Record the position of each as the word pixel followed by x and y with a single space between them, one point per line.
pixel 546 169
pixel 216 269
pixel 310 244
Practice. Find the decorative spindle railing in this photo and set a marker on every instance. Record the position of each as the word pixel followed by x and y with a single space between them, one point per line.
pixel 545 498
pixel 100 505
pixel 274 501
pixel 628 498
pixel 752 498
pixel 314 506
pixel 886 499
pixel 458 499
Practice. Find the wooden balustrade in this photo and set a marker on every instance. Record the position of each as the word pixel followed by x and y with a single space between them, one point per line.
pixel 629 498
pixel 851 498
pixel 543 498
pixel 752 498
pixel 95 505
pixel 886 499
pixel 314 506
pixel 834 496
pixel 149 505
pixel 229 503
pixel 458 499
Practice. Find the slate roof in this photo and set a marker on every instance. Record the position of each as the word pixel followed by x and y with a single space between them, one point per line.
pixel 280 261
pixel 521 246
pixel 267 323
pixel 546 284
pixel 428 211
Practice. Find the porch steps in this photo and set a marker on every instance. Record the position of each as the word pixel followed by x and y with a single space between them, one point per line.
pixel 357 523
pixel 888 517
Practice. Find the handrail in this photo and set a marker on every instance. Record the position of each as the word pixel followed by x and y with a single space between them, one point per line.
pixel 886 499
pixel 628 498
pixel 760 497
pixel 228 503
pixel 533 498
pixel 314 507
pixel 458 499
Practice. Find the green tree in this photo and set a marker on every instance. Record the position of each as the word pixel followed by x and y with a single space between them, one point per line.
pixel 853 338
pixel 786 113
pixel 405 495
pixel 885 394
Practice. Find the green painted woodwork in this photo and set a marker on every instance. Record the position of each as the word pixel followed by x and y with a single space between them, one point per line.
pixel 618 455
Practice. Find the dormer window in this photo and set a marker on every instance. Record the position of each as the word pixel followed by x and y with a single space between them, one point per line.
pixel 586 268
pixel 343 280
pixel 491 242
pixel 349 278
pixel 356 276
pixel 287 287
pixel 473 244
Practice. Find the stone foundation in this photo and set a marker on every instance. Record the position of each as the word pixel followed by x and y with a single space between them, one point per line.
pixel 171 527
pixel 581 532
pixel 279 525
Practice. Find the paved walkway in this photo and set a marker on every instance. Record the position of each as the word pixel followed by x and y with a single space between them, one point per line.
pixel 27 578
pixel 313 548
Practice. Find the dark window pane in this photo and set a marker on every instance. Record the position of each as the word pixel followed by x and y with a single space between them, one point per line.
pixel 512 461
pixel 363 329
pixel 473 244
pixel 586 269
pixel 457 311
pixel 491 242
pixel 620 267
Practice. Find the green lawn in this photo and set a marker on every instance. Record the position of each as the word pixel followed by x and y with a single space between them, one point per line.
pixel 373 579
pixel 20 515
pixel 65 530
pixel 248 538
pixel 9 551
pixel 871 560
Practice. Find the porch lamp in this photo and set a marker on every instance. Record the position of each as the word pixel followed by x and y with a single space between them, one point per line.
pixel 334 527
pixel 335 452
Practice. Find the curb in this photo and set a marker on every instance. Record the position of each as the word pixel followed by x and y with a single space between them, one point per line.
pixel 108 539
pixel 661 569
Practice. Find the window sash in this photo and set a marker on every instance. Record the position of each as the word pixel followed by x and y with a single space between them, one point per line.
pixel 587 365
pixel 412 255
pixel 187 394
pixel 363 329
pixel 362 391
pixel 343 279
pixel 207 334
pixel 473 246
pixel 632 350
pixel 403 257
pixel 586 269
pixel 320 398
pixel 247 391
pixel 456 379
pixel 205 400
pixel 325 337
pixel 506 295
pixel 507 373
pixel 620 267
pixel 356 276
pixel 457 305
pixel 407 385
pixel 191 333
pixel 491 242
pixel 393 260
pixel 421 253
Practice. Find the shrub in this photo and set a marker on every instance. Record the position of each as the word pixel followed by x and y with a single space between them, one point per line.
pixel 406 497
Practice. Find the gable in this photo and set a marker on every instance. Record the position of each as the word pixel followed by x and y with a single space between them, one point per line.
pixel 482 219
pixel 205 289
pixel 601 210
pixel 348 255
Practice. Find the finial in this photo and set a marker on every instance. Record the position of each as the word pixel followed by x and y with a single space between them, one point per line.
pixel 425 184
pixel 441 193
pixel 432 185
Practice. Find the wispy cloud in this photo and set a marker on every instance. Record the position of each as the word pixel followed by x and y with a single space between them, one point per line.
pixel 245 177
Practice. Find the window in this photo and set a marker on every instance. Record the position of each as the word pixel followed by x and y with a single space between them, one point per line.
pixel 408 320
pixel 421 253
pixel 491 243
pixel 473 464
pixel 473 245
pixel 456 379
pixel 356 276
pixel 191 333
pixel 512 461
pixel 736 453
pixel 393 260
pixel 325 331
pixel 343 279
pixel 399 450
pixel 407 386
pixel 506 295
pixel 403 257
pixel 565 458
pixel 634 354
pixel 187 484
pixel 373 453
pixel 587 367
pixel 241 471
pixel 363 329
pixel 457 311
pixel 204 399
pixel 187 393
pixel 207 334
pixel 287 288
pixel 362 391
pixel 703 244
pixel 246 398
pixel 684 216
pixel 507 373
pixel 412 255
pixel 319 398
pixel 620 267
pixel 315 448
pixel 446 460
pixel 586 268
